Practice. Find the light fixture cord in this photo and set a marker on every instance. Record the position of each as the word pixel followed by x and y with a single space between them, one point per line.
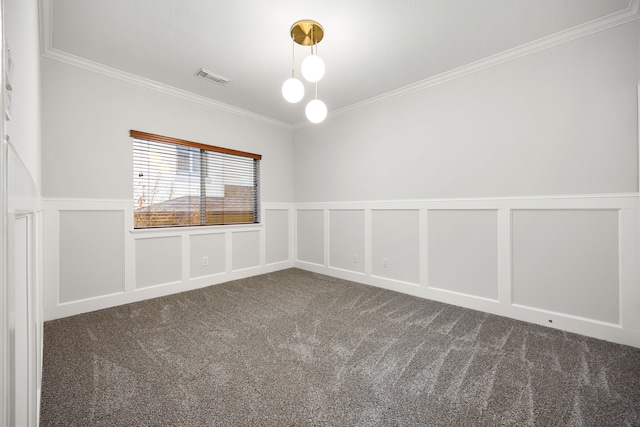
pixel 293 52
pixel 316 45
pixel 313 40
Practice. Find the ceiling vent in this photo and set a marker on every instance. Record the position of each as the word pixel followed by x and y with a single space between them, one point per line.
pixel 208 75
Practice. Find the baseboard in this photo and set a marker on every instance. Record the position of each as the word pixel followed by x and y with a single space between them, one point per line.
pixel 157 291
pixel 574 324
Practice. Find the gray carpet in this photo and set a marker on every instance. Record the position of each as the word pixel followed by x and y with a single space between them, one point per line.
pixel 295 348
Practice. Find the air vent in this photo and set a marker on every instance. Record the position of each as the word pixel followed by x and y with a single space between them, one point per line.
pixel 208 75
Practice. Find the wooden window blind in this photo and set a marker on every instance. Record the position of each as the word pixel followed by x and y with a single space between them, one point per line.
pixel 182 183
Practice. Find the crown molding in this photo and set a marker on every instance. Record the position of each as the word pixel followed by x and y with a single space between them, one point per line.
pixel 47 51
pixel 157 86
pixel 631 13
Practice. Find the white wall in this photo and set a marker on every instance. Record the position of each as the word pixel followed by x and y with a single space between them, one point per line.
pixel 21 226
pixel 87 151
pixel 512 190
pixel 22 36
pixel 559 121
pixel 94 258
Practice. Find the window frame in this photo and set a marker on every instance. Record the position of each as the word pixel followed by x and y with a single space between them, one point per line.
pixel 177 143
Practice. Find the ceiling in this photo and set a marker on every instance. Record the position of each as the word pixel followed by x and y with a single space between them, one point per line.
pixel 370 48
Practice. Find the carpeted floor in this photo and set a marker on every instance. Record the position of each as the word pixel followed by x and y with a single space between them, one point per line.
pixel 294 348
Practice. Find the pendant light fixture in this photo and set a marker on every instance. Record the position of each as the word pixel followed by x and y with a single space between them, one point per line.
pixel 293 89
pixel 307 33
pixel 316 110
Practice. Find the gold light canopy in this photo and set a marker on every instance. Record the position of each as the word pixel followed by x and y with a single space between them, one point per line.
pixel 307 32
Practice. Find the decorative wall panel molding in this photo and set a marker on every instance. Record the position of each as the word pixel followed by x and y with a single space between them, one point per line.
pixel 609 223
pixel 91 256
pixel 310 236
pixel 346 240
pixel 568 262
pixel 116 264
pixel 462 251
pixel 395 244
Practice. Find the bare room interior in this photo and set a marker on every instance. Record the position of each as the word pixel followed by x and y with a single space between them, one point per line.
pixel 320 213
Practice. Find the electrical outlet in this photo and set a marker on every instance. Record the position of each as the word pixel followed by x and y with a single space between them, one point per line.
pixel 355 258
pixel 385 263
pixel 205 260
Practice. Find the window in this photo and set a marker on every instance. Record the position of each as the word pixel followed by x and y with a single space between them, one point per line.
pixel 182 183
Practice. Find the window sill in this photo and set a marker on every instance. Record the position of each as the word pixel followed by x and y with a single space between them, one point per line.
pixel 200 229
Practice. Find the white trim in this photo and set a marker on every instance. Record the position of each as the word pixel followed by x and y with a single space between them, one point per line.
pixel 554 202
pixel 293 235
pixel 253 270
pixel 293 243
pixel 390 280
pixel 346 271
pixel 185 266
pixel 47 50
pixel 410 203
pixel 283 264
pixel 326 256
pixel 618 18
pixel 368 242
pixel 311 266
pixel 632 12
pixel 53 308
pixel 629 268
pixel 462 294
pixel 104 70
pixel 154 291
pixel 424 241
pixel 33 317
pixel 209 276
pixel 627 206
pixel 192 230
pixel 505 249
pixel 91 299
pixel 5 347
pixel 38 253
pixel 157 86
pixel 423 227
pixel 551 313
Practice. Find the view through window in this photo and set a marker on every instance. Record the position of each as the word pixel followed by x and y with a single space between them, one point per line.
pixel 183 183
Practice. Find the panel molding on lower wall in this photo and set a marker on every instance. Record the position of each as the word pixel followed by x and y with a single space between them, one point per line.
pixel 609 223
pixel 305 228
pixel 187 257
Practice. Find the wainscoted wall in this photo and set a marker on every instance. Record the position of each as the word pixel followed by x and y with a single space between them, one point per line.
pixel 569 262
pixel 566 262
pixel 95 259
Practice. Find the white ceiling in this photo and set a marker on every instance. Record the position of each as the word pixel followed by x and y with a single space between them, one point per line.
pixel 370 48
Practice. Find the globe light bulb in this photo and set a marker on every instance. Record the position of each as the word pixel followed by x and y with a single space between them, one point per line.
pixel 312 68
pixel 293 90
pixel 316 111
